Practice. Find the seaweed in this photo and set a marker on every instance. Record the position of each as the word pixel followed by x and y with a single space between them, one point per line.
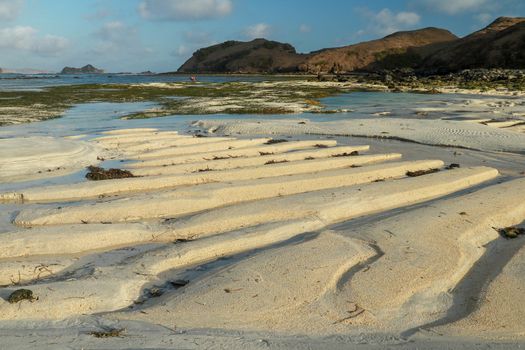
pixel 345 154
pixel 99 174
pixel 110 333
pixel 274 141
pixel 421 172
pixel 20 295
pixel 453 166
pixel 511 232
pixel 276 162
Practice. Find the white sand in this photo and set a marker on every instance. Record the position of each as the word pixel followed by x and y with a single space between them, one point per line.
pixel 88 295
pixel 243 152
pixel 234 163
pixel 111 187
pixel 430 132
pixel 194 199
pixel 396 259
pixel 27 158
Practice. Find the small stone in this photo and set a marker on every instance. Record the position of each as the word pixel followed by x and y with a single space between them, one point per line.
pixel 20 295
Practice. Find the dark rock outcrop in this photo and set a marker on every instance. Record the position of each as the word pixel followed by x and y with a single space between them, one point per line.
pixel 499 45
pixel 256 56
pixel 88 69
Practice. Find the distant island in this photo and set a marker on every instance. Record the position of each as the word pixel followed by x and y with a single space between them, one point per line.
pixel 88 69
pixel 428 51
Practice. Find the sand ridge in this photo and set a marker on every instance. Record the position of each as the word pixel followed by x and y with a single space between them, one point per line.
pixel 268 215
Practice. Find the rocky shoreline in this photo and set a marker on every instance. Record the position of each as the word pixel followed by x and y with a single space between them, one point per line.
pixel 477 80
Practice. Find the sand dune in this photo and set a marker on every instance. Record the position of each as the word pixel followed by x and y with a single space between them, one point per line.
pixel 332 205
pixel 194 199
pixel 430 132
pixel 169 142
pixel 93 295
pixel 207 147
pixel 234 163
pixel 243 152
pixel 110 187
pixel 336 290
pixel 302 237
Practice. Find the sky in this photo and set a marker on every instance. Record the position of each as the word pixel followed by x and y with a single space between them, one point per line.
pixel 159 35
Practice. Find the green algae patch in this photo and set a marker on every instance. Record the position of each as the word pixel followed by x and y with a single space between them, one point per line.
pixel 281 97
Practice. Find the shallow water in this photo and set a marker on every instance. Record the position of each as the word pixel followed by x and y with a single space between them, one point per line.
pixel 10 82
pixel 92 118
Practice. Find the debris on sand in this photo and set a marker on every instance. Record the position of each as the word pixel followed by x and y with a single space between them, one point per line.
pixel 20 295
pixel 179 283
pixel 346 154
pixel 204 170
pixel 276 162
pixel 111 333
pixel 511 232
pixel 356 311
pixel 453 166
pixel 320 145
pixel 421 172
pixel 98 174
pixel 274 141
pixel 155 292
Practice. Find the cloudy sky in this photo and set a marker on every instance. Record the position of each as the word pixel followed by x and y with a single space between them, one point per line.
pixel 159 35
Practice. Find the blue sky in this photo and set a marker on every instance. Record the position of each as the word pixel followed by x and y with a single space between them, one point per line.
pixel 159 35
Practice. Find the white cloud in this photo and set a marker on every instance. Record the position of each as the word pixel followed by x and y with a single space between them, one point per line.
pixel 387 22
pixel 118 37
pixel 184 10
pixel 182 51
pixel 484 18
pixel 453 7
pixel 10 9
pixel 27 39
pixel 197 37
pixel 260 30
pixel 100 14
pixel 116 32
pixel 304 28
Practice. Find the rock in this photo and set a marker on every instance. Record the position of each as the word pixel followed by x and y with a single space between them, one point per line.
pixel 88 69
pixel 20 295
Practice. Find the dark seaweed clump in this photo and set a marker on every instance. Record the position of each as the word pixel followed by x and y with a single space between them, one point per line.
pixel 421 172
pixel 98 174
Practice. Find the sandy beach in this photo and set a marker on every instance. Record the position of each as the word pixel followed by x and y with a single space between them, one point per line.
pixel 281 233
pixel 308 236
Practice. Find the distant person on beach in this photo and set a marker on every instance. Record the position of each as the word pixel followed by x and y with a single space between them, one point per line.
pixel 193 78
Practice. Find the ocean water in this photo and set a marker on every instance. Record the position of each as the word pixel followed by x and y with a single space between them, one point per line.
pixel 10 82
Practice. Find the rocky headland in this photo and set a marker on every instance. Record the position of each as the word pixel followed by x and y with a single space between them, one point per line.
pixel 425 51
pixel 88 69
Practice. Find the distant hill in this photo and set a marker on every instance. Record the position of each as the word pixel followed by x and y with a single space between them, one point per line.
pixel 386 53
pixel 499 45
pixel 88 69
pixel 256 56
pixel 24 71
